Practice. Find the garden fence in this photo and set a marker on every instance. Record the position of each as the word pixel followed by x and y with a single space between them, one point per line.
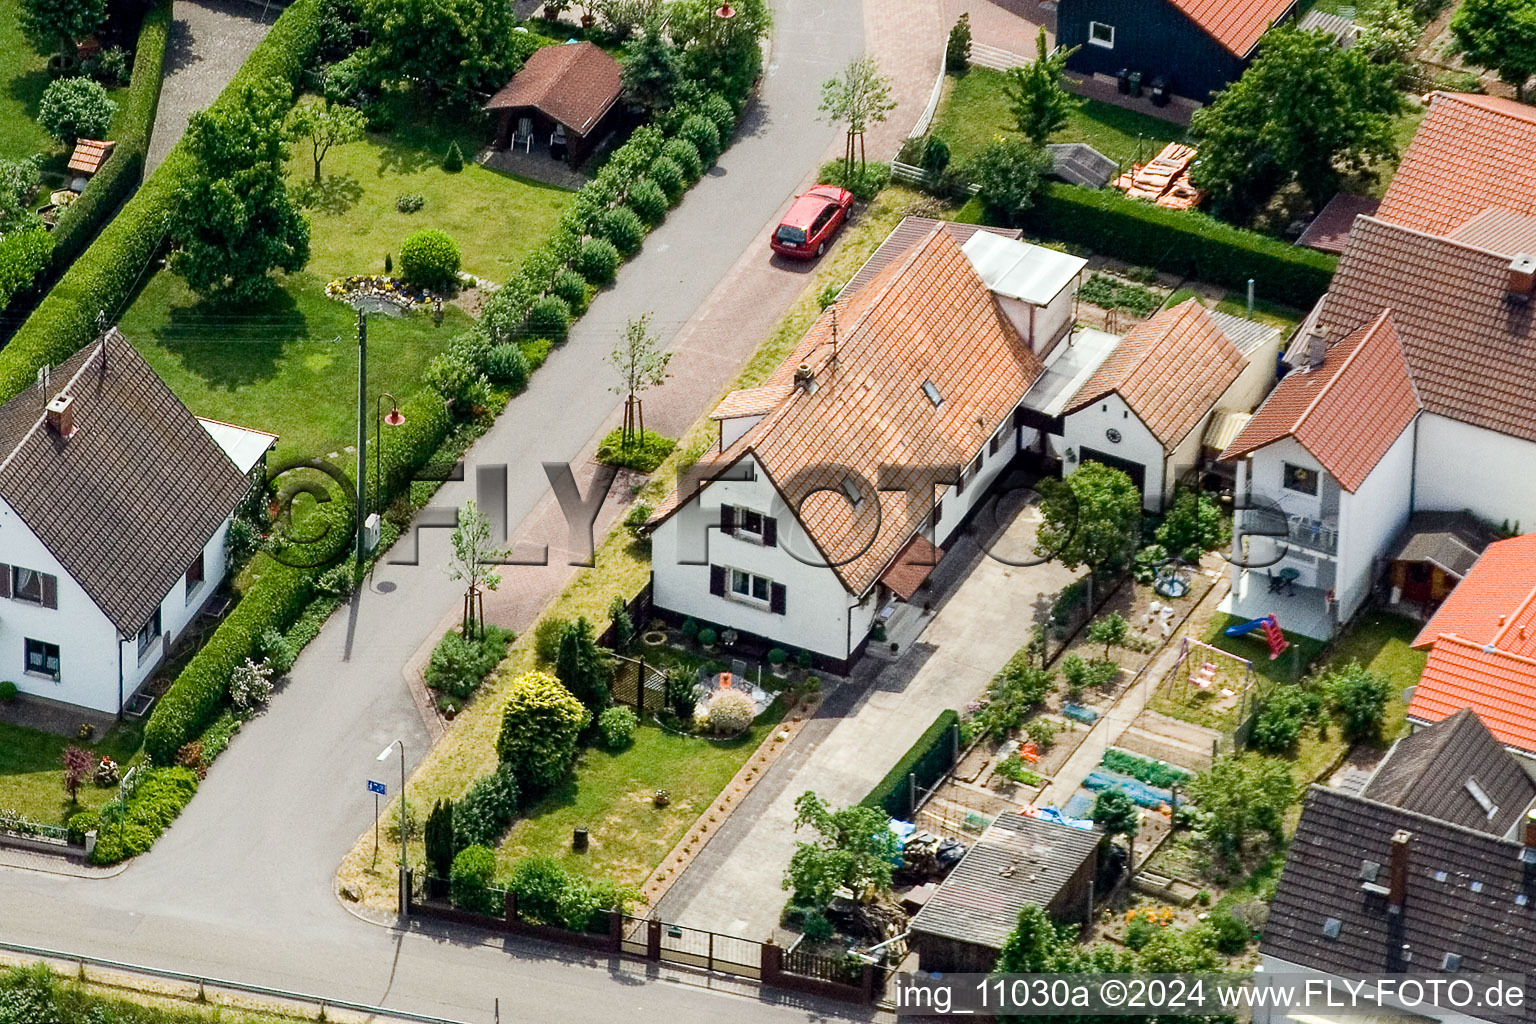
pixel 638 685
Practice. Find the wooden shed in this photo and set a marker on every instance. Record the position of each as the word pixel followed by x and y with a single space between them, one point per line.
pixel 1432 554
pixel 565 97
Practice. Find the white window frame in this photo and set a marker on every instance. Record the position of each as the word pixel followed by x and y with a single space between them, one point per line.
pixel 744 531
pixel 1093 37
pixel 748 597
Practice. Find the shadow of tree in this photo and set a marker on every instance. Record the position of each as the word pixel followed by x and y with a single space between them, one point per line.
pixel 334 194
pixel 28 89
pixel 231 347
pixel 180 48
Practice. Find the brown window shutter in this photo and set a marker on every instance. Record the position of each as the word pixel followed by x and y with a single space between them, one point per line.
pixel 770 532
pixel 728 519
pixel 50 590
pixel 717 580
pixel 776 596
pixel 5 580
pixel 997 442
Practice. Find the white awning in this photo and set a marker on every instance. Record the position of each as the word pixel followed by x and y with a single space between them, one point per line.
pixel 1224 428
pixel 1030 273
pixel 244 446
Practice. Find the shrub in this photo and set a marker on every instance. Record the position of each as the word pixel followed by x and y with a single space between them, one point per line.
pixel 407 202
pixel 1359 698
pixel 669 177
pixel 686 155
pixel 690 630
pixel 642 454
pixel 540 727
pixel 1010 174
pixel 535 351
pixel 338 581
pixel 430 258
pixel 538 883
pixel 777 656
pixel 682 693
pixel 75 108
pixel 470 878
pixel 707 637
pixel 8 690
pixel 571 287
pixel 622 227
pixel 635 519
pixel 458 665
pixel 109 67
pixel 935 156
pixel 23 256
pixel 453 160
pixel 617 726
pixel 719 110
pixel 486 810
pixel 704 136
pixel 598 261
pixel 957 48
pixel 547 636
pixel 456 380
pixel 1182 242
pixel 865 182
pixel 549 317
pixel 275 649
pixel 80 823
pixel 156 801
pixel 648 200
pixel 731 712
pixel 250 685
pixel 1280 721
pixel 506 364
pixel 1229 935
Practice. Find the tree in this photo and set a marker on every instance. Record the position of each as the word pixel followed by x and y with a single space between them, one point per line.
pixel 439 838
pixel 853 849
pixel 473 557
pixel 541 724
pixel 957 49
pixel 326 124
pixel 234 221
pixel 1305 113
pixel 75 108
pixel 56 26
pixel 583 667
pixel 1120 816
pixel 650 71
pixel 1194 525
pixel 1092 518
pixel 1241 795
pixel 1387 31
pixel 18 179
pixel 78 766
pixel 624 16
pixel 451 47
pixel 1279 722
pixel 1030 947
pixel 857 98
pixel 1109 630
pixel 1359 698
pixel 1035 95
pixel 641 365
pixel 1008 175
pixel 1499 35
pixel 721 55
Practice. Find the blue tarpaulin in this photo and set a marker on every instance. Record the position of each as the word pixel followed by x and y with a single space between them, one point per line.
pixel 1140 792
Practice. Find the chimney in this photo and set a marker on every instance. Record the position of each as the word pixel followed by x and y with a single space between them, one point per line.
pixel 805 377
pixel 61 416
pixel 1317 347
pixel 1397 880
pixel 1522 278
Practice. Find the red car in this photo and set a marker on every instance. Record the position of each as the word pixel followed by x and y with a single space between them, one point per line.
pixel 808 227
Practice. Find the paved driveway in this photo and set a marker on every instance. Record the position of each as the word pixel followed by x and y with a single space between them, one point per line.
pixel 865 726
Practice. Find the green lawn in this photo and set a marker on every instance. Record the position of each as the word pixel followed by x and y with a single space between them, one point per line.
pixel 23 77
pixel 32 776
pixel 496 218
pixel 611 796
pixel 975 111
pixel 1379 641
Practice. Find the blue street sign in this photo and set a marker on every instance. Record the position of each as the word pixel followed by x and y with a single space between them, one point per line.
pixel 378 787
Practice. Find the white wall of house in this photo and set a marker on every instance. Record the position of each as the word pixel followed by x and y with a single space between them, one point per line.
pixel 953 508
pixel 1255 382
pixel 1370 518
pixel 1040 326
pixel 1089 427
pixel 732 429
pixel 1262 479
pixel 817 613
pixel 1462 466
pixel 1274 969
pixel 85 637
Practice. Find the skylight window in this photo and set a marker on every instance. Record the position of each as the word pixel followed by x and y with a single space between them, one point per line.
pixel 1452 962
pixel 1489 807
pixel 1476 886
pixel 1520 900
pixel 1441 876
pixel 851 491
pixel 931 390
pixel 1331 927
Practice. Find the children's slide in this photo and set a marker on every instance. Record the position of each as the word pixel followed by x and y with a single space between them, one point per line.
pixel 1243 628
pixel 1271 627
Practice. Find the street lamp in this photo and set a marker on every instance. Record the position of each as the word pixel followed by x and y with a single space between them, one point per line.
pixel 394 419
pixel 725 12
pixel 384 756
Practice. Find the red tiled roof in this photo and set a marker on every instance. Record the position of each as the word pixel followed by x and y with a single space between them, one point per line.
pixel 1235 24
pixel 914 564
pixel 575 84
pixel 1472 352
pixel 927 317
pixel 1329 230
pixel 89 155
pixel 1498 230
pixel 1469 154
pixel 1170 370
pixel 1492 600
pixel 1498 685
pixel 1347 412
pixel 758 401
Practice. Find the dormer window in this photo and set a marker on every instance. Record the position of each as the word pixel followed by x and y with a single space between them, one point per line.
pixel 932 391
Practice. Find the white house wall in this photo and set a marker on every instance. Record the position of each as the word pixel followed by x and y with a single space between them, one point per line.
pixel 1040 326
pixel 1255 382
pixel 1089 427
pixel 1459 466
pixel 1370 518
pixel 1264 477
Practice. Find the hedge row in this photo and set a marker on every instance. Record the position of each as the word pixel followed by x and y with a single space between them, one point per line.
pixel 929 758
pixel 105 275
pixel 1187 243
pixel 121 174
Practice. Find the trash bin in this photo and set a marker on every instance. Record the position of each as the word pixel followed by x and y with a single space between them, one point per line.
pixel 1159 90
pixel 1123 80
pixel 1134 83
pixel 579 840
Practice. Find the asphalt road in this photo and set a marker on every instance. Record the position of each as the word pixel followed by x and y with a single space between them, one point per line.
pixel 241 886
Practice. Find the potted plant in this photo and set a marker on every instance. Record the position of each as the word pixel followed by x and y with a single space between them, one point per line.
pixel 588 14
pixel 707 639
pixel 554 8
pixel 776 658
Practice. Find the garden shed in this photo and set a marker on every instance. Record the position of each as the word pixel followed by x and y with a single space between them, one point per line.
pixel 1018 860
pixel 565 98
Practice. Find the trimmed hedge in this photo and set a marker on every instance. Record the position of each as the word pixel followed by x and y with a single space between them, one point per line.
pixel 928 758
pixel 105 275
pixel 155 803
pixel 1188 243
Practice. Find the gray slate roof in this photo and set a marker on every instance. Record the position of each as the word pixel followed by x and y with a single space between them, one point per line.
pixel 129 500
pixel 1468 893
pixel 1017 861
pixel 904 236
pixel 1439 770
pixel 1247 335
pixel 1451 540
